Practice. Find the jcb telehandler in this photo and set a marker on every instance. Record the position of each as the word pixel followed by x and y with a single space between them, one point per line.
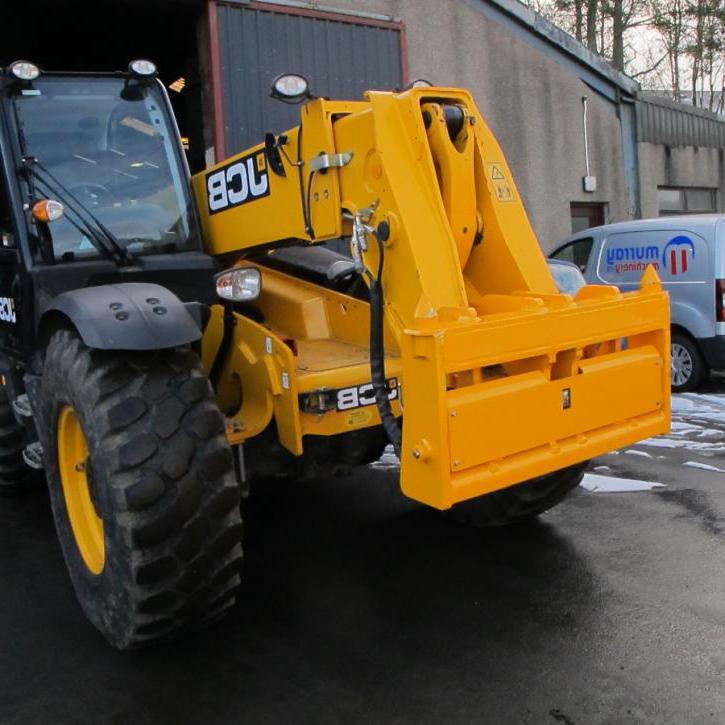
pixel 161 347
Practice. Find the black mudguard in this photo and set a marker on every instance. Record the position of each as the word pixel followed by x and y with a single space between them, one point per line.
pixel 127 316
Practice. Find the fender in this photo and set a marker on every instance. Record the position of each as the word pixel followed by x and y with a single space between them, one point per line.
pixel 127 316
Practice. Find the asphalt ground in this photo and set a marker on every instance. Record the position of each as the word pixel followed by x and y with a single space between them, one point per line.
pixel 361 606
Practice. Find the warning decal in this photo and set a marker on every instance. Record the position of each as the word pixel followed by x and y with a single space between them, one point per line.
pixel 499 182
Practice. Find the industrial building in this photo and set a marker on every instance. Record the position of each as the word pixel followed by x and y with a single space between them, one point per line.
pixel 585 145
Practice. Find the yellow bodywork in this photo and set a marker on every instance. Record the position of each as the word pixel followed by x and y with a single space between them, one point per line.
pixel 502 378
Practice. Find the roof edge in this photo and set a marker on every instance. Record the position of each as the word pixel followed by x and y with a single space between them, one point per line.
pixel 554 35
pixel 655 100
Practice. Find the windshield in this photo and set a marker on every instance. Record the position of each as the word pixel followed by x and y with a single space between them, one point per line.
pixel 112 146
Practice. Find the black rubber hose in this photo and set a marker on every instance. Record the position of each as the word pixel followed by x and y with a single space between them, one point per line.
pixel 377 356
pixel 305 201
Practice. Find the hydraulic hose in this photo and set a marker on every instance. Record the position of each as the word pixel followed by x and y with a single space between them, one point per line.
pixel 377 355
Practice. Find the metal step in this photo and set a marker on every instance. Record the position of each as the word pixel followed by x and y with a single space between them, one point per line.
pixel 33 455
pixel 22 407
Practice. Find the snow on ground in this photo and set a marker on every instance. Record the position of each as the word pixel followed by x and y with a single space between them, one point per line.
pixel 633 452
pixel 698 425
pixel 609 484
pixel 703 466
pixel 387 460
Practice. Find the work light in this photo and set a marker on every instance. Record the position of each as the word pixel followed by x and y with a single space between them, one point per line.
pixel 142 68
pixel 290 87
pixel 24 70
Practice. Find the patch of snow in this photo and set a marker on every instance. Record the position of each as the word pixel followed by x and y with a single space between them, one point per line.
pixel 699 446
pixel 602 468
pixel 718 400
pixel 662 443
pixel 703 466
pixel 608 484
pixel 679 428
pixel 633 452
pixel 681 404
pixel 710 433
pixel 387 460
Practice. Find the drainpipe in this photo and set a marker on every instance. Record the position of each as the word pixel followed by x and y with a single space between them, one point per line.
pixel 589 182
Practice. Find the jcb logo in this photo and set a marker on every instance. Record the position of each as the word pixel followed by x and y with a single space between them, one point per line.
pixel 7 309
pixel 237 183
pixel 360 395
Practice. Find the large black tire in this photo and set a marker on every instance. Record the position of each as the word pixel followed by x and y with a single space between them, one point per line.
pixel 689 369
pixel 160 476
pixel 519 503
pixel 14 472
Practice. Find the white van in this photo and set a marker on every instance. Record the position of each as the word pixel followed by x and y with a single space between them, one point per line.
pixel 688 253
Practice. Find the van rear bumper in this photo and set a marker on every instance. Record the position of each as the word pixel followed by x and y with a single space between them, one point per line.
pixel 713 350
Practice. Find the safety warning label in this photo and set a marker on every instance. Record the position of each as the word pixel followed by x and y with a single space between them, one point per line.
pixel 500 183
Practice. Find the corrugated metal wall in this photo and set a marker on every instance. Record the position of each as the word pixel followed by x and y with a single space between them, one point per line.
pixel 664 122
pixel 340 59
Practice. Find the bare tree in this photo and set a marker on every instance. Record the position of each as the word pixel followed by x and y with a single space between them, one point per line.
pixel 706 48
pixel 592 14
pixel 668 20
pixel 665 44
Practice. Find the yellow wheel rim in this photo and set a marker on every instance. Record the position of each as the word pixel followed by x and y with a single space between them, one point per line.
pixel 86 524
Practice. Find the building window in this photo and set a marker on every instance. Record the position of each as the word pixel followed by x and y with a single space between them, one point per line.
pixel 584 216
pixel 679 200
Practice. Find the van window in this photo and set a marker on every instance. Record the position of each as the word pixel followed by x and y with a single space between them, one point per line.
pixel 577 252
pixel 677 256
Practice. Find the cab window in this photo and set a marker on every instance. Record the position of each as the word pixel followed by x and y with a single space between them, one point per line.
pixel 577 252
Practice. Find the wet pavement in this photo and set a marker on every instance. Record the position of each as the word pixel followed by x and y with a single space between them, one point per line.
pixel 362 606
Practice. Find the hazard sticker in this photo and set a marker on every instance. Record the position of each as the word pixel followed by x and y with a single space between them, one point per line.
pixel 499 183
pixel 362 416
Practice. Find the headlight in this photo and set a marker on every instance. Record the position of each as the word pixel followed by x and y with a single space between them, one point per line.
pixel 24 70
pixel 142 67
pixel 242 284
pixel 290 87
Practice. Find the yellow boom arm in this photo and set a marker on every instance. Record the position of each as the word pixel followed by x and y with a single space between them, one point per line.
pixel 503 378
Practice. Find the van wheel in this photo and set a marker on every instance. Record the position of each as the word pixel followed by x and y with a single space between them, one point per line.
pixel 688 369
pixel 520 503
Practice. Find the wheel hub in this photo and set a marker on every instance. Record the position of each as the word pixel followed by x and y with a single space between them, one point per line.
pixel 85 522
pixel 681 365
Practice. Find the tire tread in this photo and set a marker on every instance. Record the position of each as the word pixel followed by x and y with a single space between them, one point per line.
pixel 519 503
pixel 166 483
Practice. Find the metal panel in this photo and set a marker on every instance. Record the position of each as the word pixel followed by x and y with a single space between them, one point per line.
pixel 341 58
pixel 676 124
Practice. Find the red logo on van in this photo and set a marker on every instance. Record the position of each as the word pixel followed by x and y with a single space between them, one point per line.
pixel 677 255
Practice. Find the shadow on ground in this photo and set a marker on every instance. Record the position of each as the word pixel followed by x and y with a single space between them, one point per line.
pixel 356 604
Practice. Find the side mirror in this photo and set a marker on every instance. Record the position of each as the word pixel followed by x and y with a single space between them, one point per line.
pixel 290 88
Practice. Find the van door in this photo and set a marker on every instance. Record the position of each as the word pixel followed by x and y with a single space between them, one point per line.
pixel 682 260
